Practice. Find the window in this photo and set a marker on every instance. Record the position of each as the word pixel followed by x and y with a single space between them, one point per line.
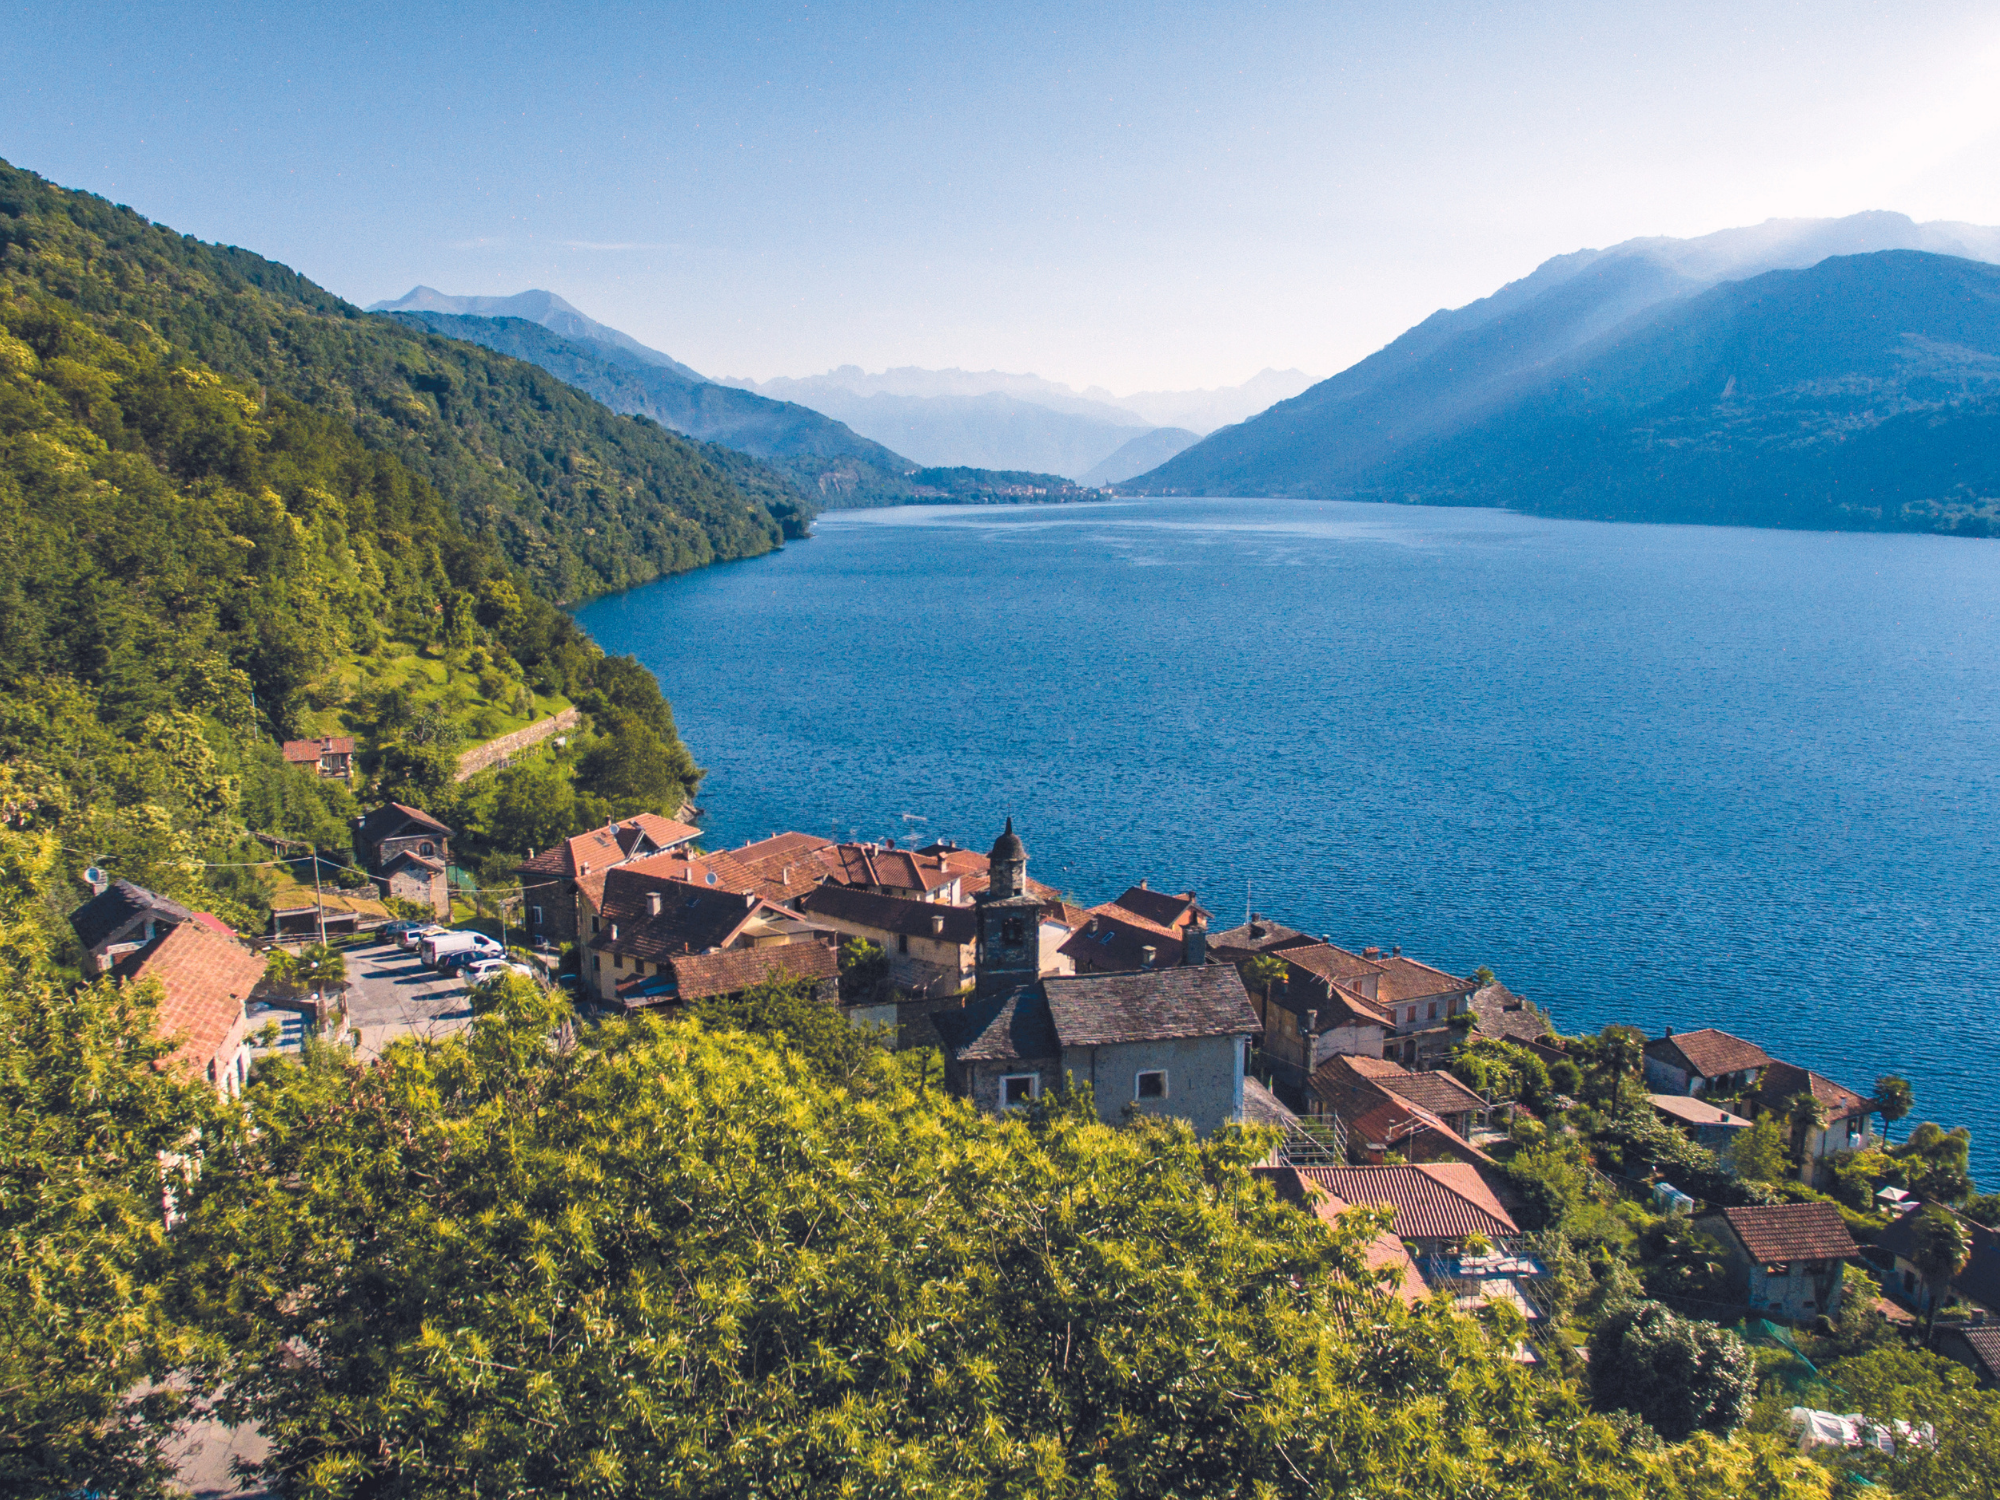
pixel 1433 1013
pixel 1151 1085
pixel 1019 1088
pixel 534 916
pixel 1014 930
pixel 1410 1014
pixel 902 942
pixel 424 848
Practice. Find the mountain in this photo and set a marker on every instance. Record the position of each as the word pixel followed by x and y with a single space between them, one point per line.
pixel 1861 393
pixel 581 500
pixel 820 456
pixel 1456 367
pixel 1204 411
pixel 1146 451
pixel 545 308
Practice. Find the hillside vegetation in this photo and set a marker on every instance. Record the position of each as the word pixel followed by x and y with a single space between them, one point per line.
pixel 580 499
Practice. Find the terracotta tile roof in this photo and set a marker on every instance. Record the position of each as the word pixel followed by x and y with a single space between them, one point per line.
pixel 892 869
pixel 1002 1028
pixel 1693 1111
pixel 1782 1080
pixel 699 976
pixel 1168 910
pixel 115 906
pixel 787 864
pixel 1404 980
pixel 1383 1103
pixel 308 752
pixel 1432 1200
pixel 1385 1254
pixel 897 914
pixel 1498 1012
pixel 1101 1010
pixel 614 844
pixel 1708 1053
pixel 1256 936
pixel 694 870
pixel 1114 940
pixel 1440 1093
pixel 205 982
pixel 1779 1233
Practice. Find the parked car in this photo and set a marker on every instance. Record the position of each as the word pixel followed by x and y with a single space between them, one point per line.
pixel 492 968
pixel 437 946
pixel 416 932
pixel 461 960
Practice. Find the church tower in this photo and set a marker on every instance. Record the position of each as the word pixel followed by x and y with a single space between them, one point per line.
pixel 1010 929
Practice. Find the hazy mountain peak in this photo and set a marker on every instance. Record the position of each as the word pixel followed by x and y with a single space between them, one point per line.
pixel 536 306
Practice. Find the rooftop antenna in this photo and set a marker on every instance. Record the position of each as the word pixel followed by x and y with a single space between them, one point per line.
pixel 1246 903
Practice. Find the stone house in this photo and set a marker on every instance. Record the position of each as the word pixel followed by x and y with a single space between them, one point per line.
pixel 121 918
pixel 1844 1124
pixel 930 947
pixel 408 852
pixel 1701 1062
pixel 1976 1346
pixel 1323 1007
pixel 648 919
pixel 1500 1014
pixel 1113 940
pixel 331 756
pixel 1786 1257
pixel 548 879
pixel 1420 1002
pixel 1172 1040
pixel 1977 1285
pixel 709 872
pixel 206 981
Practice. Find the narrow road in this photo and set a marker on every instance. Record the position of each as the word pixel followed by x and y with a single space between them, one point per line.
pixel 390 994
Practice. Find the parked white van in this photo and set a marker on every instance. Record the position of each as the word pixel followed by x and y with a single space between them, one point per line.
pixel 439 945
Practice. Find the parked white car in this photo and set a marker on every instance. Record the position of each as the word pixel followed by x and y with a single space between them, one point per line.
pixel 492 968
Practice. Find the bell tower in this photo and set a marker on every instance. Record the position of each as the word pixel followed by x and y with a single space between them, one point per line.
pixel 1010 930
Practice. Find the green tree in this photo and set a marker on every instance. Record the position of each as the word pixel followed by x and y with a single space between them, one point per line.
pixel 534 806
pixel 1682 1376
pixel 864 971
pixel 1893 1098
pixel 1762 1152
pixel 1936 1163
pixel 1939 1249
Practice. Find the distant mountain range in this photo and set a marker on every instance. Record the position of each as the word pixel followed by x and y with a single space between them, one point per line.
pixel 1146 451
pixel 1014 421
pixel 830 464
pixel 1464 407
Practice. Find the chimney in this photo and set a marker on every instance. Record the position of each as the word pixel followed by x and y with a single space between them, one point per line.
pixel 937 926
pixel 749 899
pixel 652 903
pixel 785 876
pixel 1146 955
pixel 1194 944
pixel 614 932
pixel 1371 952
pixel 1397 951
pixel 1142 885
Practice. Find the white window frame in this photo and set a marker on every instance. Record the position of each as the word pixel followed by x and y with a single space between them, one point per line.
pixel 534 916
pixel 1034 1089
pixel 1138 1084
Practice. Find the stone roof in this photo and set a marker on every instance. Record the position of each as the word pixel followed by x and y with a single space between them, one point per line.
pixel 1498 1012
pixel 1168 910
pixel 1707 1053
pixel 411 857
pixel 1983 1341
pixel 205 980
pixel 1001 1028
pixel 1778 1233
pixel 393 819
pixel 1256 936
pixel 1262 1107
pixel 1690 1110
pixel 692 919
pixel 1432 1200
pixel 1782 1080
pixel 115 906
pixel 699 975
pixel 1113 939
pixel 897 914
pixel 1096 1010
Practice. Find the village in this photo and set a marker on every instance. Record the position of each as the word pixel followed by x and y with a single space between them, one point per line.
pixel 1516 1168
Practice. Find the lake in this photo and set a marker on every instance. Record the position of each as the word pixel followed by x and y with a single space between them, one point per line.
pixel 1669 775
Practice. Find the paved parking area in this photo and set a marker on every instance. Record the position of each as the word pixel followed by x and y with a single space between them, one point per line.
pixel 390 994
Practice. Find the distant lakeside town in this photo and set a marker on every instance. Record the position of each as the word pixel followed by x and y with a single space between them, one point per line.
pixel 1730 1184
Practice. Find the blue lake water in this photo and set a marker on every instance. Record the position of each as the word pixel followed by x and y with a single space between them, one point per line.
pixel 1668 775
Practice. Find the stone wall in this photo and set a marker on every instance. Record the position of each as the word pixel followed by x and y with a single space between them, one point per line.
pixel 496 752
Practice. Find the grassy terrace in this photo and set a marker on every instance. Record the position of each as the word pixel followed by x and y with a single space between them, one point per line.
pixel 482 699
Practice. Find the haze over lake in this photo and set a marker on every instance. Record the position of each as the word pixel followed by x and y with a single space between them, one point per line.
pixel 1667 775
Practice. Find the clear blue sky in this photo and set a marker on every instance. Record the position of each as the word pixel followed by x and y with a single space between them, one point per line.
pixel 1135 196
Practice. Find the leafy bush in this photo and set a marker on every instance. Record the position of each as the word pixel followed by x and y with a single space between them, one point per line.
pixel 1681 1375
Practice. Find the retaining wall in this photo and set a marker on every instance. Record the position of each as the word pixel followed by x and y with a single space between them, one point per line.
pixel 496 752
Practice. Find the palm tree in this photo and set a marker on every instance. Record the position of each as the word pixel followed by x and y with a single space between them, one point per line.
pixel 1264 972
pixel 320 968
pixel 1939 1250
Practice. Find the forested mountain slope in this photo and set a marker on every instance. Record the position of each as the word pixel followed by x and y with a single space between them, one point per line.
pixel 1862 393
pixel 826 459
pixel 581 499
